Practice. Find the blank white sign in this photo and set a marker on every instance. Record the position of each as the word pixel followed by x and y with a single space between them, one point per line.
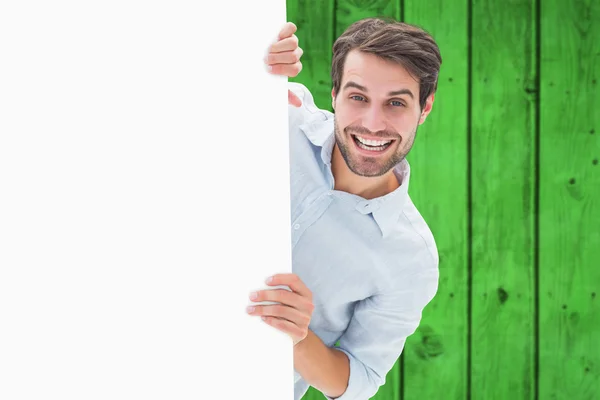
pixel 144 193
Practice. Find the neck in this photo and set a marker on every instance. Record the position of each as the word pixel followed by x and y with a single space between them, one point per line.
pixel 365 187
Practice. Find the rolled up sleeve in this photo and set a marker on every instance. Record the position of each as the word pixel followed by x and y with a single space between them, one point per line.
pixel 379 328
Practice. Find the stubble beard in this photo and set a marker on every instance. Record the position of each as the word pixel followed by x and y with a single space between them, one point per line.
pixel 370 166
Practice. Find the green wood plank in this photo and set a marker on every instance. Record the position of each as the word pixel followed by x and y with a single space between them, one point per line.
pixel 349 11
pixel 346 13
pixel 503 207
pixel 569 201
pixel 435 358
pixel 315 22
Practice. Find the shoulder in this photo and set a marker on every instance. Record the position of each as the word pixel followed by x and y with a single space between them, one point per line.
pixel 413 261
pixel 314 122
pixel 308 102
pixel 413 221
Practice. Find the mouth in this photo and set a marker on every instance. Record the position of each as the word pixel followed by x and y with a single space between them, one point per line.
pixel 372 146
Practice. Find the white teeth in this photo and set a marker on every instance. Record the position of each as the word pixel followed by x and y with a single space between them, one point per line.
pixel 370 148
pixel 373 142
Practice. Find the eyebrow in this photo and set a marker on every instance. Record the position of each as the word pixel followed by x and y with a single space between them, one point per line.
pixel 364 89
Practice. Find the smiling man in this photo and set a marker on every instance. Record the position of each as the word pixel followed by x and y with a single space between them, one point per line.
pixel 365 263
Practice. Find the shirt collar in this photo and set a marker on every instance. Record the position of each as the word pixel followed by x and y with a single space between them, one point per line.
pixel 386 210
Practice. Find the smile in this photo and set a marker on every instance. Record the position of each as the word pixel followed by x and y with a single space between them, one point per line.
pixel 374 146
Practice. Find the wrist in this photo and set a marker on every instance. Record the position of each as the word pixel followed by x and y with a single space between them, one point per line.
pixel 322 367
pixel 301 347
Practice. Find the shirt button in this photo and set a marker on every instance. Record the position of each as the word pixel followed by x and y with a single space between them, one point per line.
pixel 297 226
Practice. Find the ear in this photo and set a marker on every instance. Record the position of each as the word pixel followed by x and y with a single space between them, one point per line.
pixel 333 98
pixel 427 108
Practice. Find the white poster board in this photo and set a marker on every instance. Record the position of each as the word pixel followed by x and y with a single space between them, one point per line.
pixel 144 193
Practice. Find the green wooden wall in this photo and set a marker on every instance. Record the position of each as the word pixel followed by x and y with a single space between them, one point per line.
pixel 505 171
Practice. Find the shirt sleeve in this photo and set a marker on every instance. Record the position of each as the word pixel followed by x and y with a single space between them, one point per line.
pixel 379 327
pixel 308 111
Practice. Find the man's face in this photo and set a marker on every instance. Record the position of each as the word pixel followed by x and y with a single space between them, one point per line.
pixel 377 113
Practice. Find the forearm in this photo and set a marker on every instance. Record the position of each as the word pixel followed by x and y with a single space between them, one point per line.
pixel 324 368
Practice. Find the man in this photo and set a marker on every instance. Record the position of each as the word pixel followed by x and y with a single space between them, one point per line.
pixel 365 263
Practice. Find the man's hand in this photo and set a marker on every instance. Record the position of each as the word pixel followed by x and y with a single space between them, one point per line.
pixel 293 313
pixel 283 57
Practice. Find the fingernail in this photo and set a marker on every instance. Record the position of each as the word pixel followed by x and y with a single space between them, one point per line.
pixel 269 279
pixel 253 296
pixel 250 309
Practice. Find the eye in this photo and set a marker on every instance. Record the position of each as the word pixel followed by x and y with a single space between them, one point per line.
pixel 397 103
pixel 357 98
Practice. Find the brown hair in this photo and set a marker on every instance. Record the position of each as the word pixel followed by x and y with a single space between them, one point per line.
pixel 406 44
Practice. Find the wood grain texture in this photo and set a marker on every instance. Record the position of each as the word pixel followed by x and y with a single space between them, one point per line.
pixel 315 20
pixel 569 201
pixel 503 150
pixel 350 11
pixel 435 357
pixel 503 186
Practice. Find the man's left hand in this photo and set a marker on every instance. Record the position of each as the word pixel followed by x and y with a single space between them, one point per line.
pixel 293 313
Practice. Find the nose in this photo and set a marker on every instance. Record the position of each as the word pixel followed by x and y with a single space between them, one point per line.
pixel 373 120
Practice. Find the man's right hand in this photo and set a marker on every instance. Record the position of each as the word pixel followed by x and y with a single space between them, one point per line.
pixel 283 58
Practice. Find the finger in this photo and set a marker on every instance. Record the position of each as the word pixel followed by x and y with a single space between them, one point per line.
pixel 293 99
pixel 284 326
pixel 293 281
pixel 289 70
pixel 291 314
pixel 287 44
pixel 288 57
pixel 284 297
pixel 288 30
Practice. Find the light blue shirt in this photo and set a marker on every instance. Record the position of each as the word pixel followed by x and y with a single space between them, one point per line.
pixel 372 265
